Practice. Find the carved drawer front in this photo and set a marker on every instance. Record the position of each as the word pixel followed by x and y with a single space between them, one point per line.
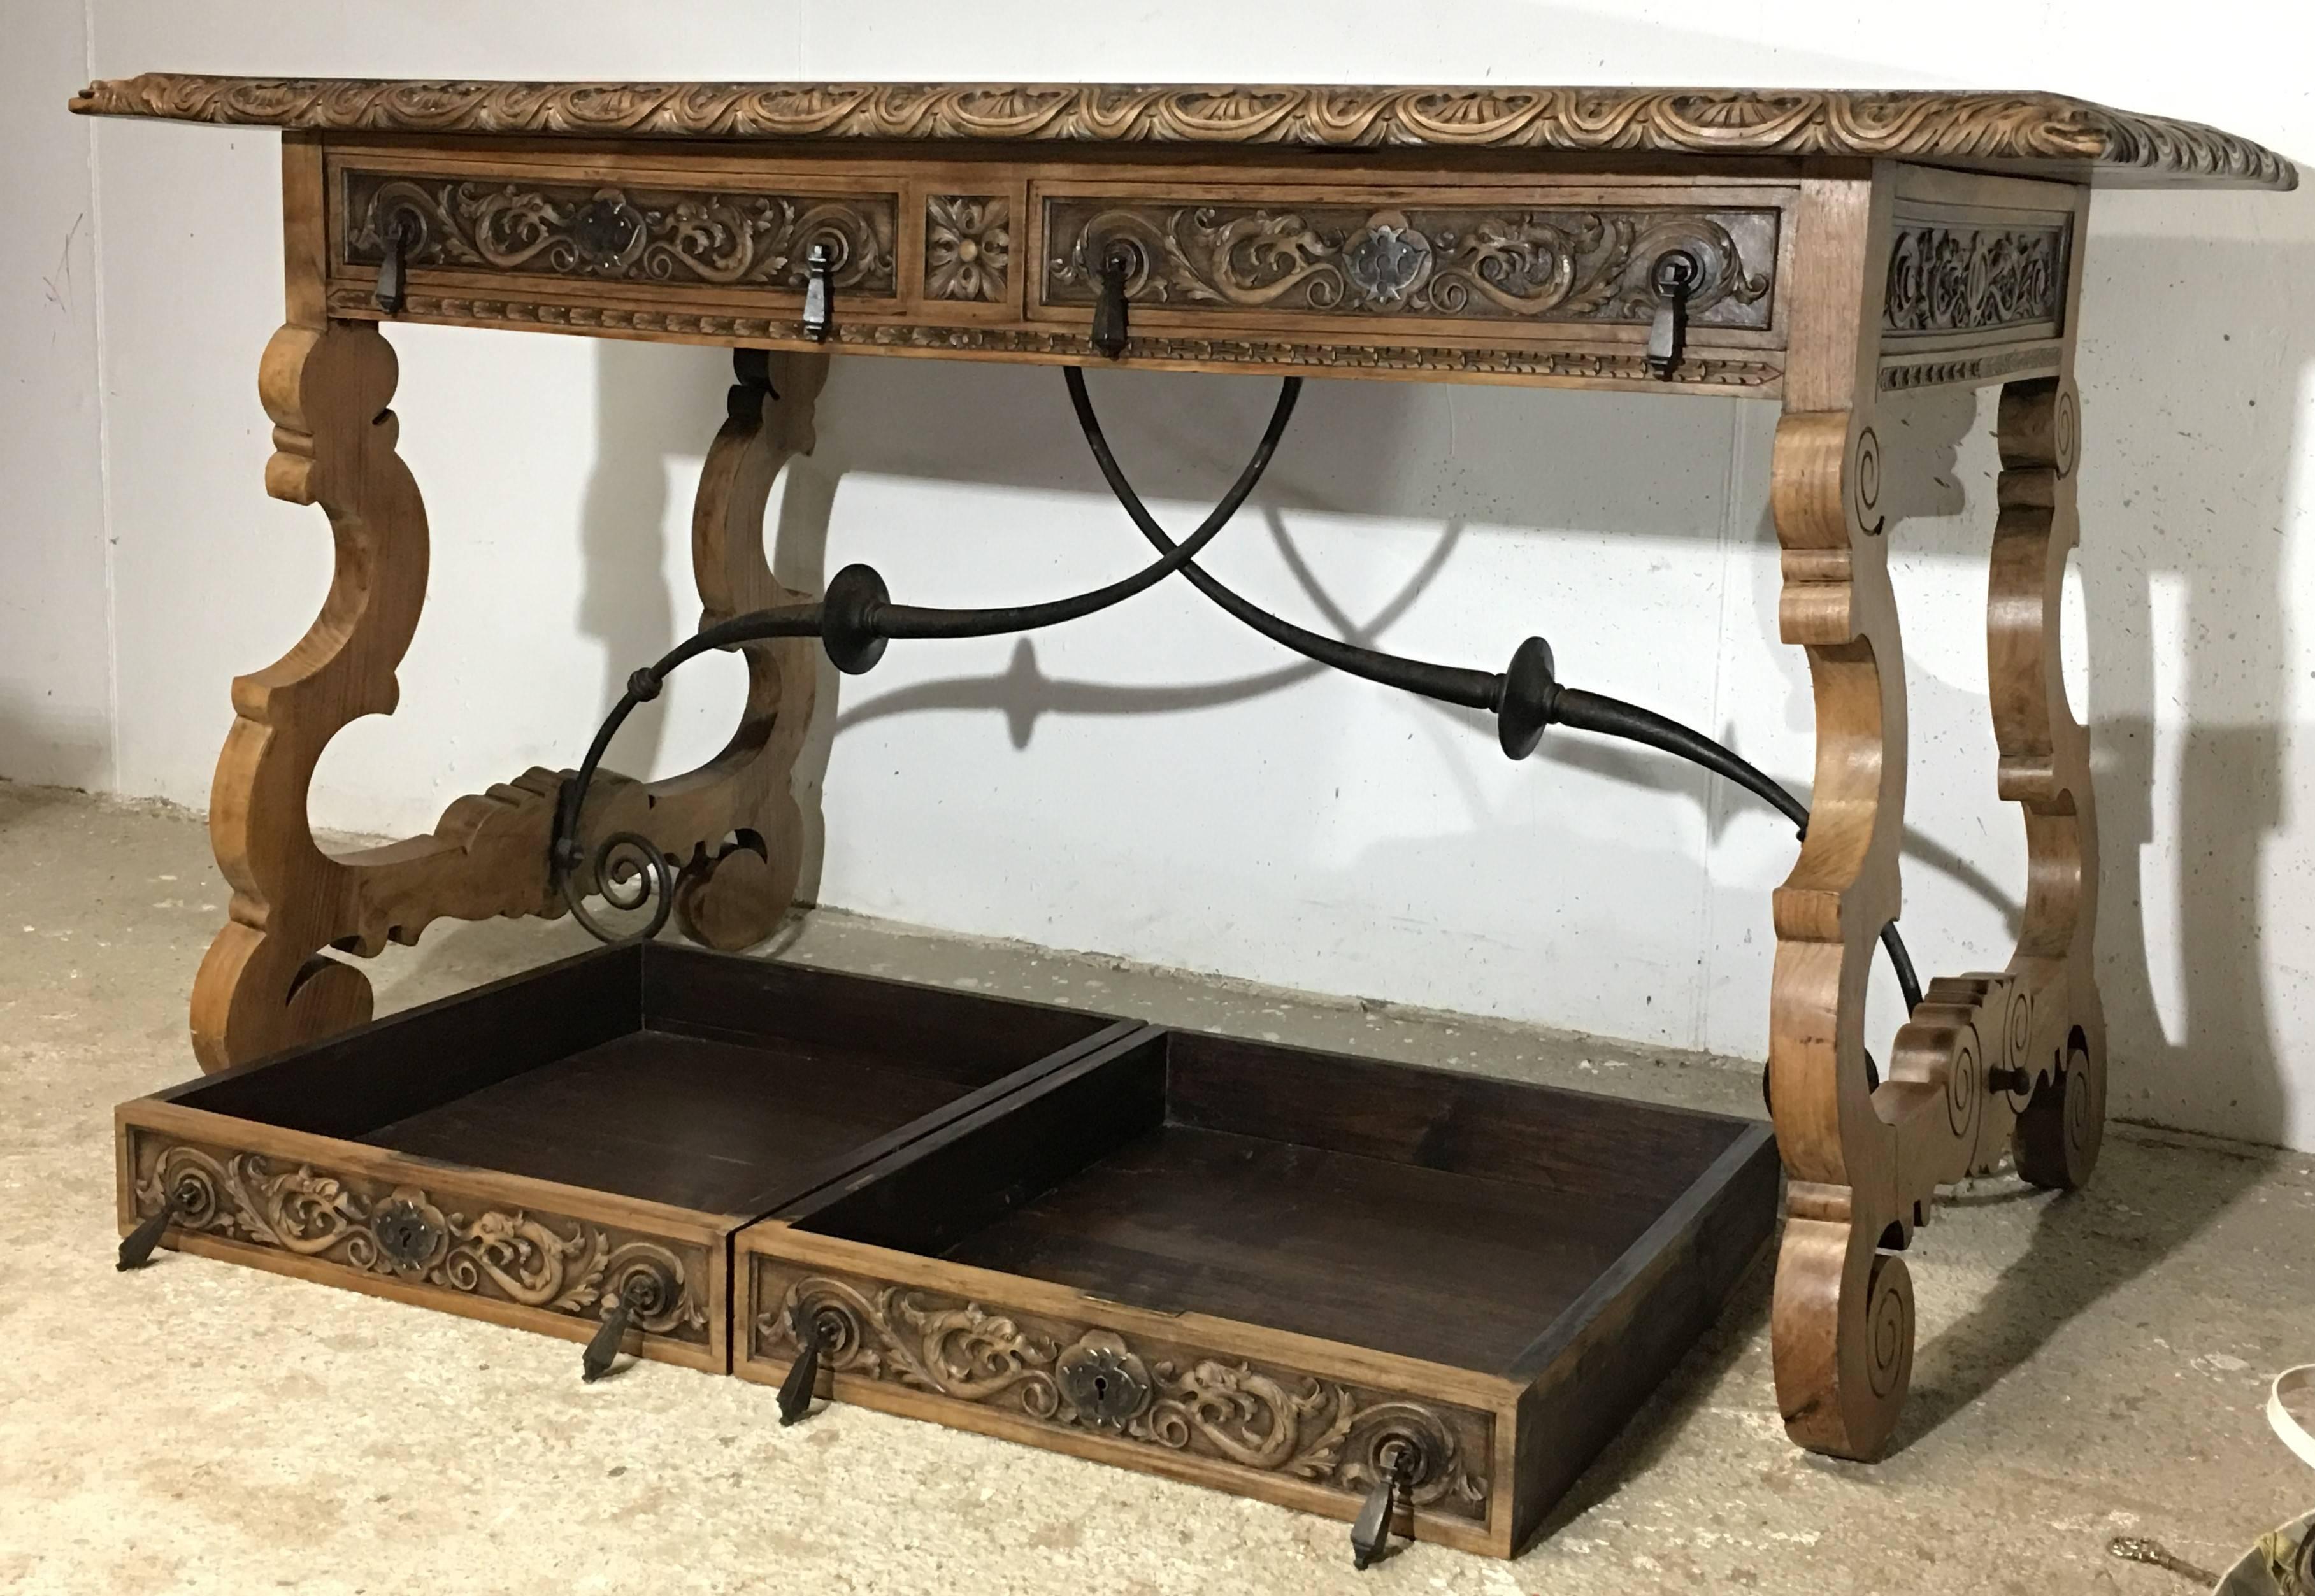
pixel 438 1243
pixel 1987 275
pixel 1974 293
pixel 1477 267
pixel 750 236
pixel 1221 1413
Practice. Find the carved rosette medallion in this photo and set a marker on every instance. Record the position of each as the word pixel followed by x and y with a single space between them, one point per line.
pixel 377 1227
pixel 1948 278
pixel 1178 1398
pixel 1459 262
pixel 708 237
pixel 968 246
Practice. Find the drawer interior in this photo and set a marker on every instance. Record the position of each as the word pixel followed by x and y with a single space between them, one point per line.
pixel 706 1081
pixel 1415 1211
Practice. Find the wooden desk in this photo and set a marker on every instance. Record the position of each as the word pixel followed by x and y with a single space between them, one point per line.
pixel 1846 249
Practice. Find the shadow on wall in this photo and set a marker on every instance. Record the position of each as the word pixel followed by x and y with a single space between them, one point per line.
pixel 2184 499
pixel 651 405
pixel 2185 495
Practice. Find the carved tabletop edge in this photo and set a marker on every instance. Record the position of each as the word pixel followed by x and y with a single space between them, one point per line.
pixel 1982 130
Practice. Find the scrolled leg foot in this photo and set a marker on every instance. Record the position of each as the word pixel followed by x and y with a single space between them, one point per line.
pixel 1843 1338
pixel 256 995
pixel 735 896
pixel 2061 1130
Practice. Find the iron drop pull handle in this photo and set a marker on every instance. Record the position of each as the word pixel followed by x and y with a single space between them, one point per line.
pixel 603 1347
pixel 1110 333
pixel 797 1386
pixel 818 291
pixel 137 1245
pixel 1371 1530
pixel 1673 277
pixel 394 270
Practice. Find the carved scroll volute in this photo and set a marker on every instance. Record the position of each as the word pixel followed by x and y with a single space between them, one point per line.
pixel 264 985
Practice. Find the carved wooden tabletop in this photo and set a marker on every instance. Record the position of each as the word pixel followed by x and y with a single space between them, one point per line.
pixel 1978 130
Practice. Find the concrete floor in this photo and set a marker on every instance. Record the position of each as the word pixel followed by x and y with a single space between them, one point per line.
pixel 2089 1368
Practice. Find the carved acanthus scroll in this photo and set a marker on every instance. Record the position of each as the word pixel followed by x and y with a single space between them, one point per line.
pixel 1088 1378
pixel 1492 264
pixel 708 237
pixel 1953 277
pixel 438 1239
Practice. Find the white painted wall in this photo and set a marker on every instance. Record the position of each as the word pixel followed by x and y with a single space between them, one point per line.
pixel 1156 783
pixel 56 654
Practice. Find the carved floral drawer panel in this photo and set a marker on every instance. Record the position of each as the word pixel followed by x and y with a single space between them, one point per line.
pixel 552 230
pixel 751 236
pixel 1338 1285
pixel 1442 263
pixel 1977 289
pixel 575 1142
pixel 1362 269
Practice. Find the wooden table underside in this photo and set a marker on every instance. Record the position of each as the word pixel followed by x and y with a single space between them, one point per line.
pixel 1506 236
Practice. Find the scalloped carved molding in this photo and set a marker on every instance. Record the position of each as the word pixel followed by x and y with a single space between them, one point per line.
pixel 1985 129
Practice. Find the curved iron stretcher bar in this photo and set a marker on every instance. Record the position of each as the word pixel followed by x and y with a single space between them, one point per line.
pixel 853 621
pixel 1525 698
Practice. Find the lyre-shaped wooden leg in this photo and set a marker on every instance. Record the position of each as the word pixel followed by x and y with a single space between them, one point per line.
pixel 272 977
pixel 266 983
pixel 2045 770
pixel 1985 1061
pixel 734 893
pixel 1843 1313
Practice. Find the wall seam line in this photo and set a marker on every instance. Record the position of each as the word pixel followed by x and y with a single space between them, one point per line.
pixel 115 779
